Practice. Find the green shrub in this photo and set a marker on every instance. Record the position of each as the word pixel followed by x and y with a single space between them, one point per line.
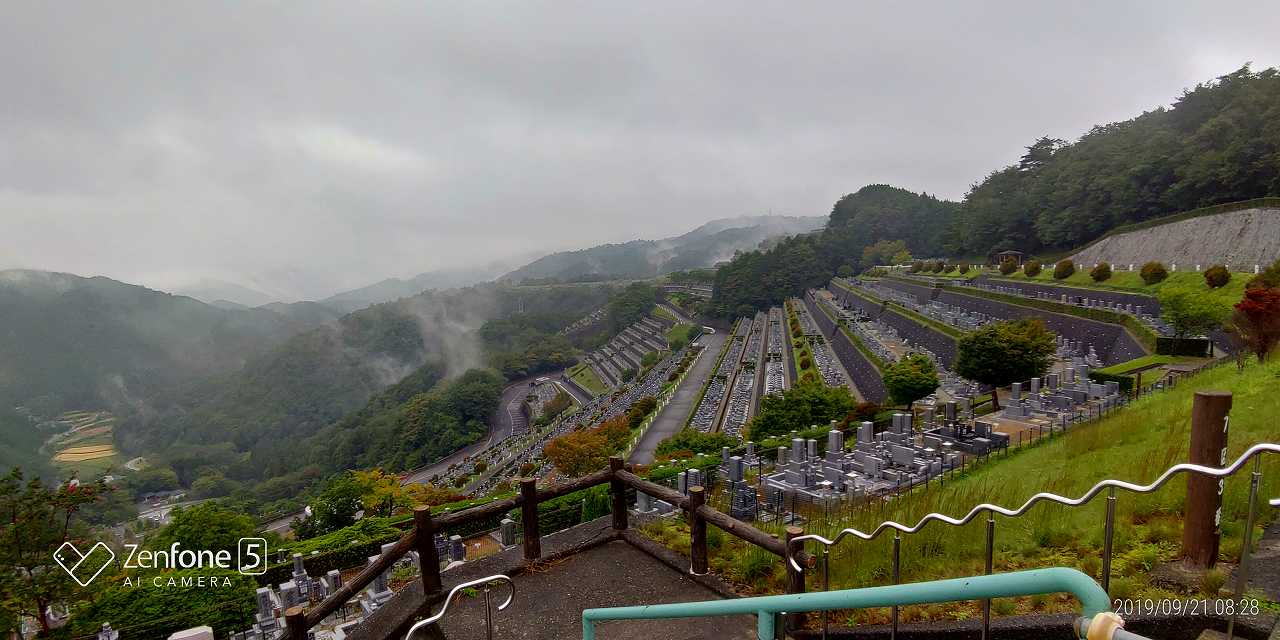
pixel 695 441
pixel 1100 272
pixel 916 266
pixel 1008 266
pixel 1153 272
pixel 964 267
pixel 950 268
pixel 1217 276
pixel 1032 268
pixel 1212 582
pixel 1063 270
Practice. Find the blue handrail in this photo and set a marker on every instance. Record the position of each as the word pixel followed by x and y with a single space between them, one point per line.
pixel 1093 600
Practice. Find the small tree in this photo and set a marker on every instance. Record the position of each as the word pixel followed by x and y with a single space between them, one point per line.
pixel 1008 266
pixel 916 266
pixel 1153 272
pixel 37 521
pixel 1190 313
pixel 964 267
pixel 950 268
pixel 1100 272
pixel 1256 321
pixel 333 509
pixel 1005 352
pixel 1063 269
pixel 1217 276
pixel 1032 268
pixel 844 271
pixel 910 379
pixel 578 453
pixel 1268 279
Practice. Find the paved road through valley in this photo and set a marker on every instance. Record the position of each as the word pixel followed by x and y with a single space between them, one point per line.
pixel 671 419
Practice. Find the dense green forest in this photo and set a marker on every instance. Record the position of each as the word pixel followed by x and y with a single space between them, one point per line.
pixel 526 344
pixel 1218 142
pixel 72 343
pixel 312 381
pixel 412 424
pixel 757 279
pixel 629 305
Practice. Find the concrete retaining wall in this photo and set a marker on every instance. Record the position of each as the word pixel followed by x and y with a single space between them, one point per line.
pixel 864 374
pixel 1113 343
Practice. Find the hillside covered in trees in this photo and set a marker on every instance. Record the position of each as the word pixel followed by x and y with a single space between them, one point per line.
pixel 1218 142
pixel 286 395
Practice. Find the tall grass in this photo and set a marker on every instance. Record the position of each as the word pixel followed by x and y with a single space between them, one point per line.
pixel 1136 444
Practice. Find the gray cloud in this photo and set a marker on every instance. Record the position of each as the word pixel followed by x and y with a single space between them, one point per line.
pixel 308 147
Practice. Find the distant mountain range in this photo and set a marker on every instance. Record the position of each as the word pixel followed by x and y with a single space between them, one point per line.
pixel 710 243
pixel 225 294
pixel 75 342
pixel 395 288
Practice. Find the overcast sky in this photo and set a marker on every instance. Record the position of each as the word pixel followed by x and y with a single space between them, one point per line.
pixel 306 148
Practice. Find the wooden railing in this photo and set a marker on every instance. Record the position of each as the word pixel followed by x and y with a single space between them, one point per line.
pixel 420 537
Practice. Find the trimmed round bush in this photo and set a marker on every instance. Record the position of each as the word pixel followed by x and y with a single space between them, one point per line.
pixel 1063 270
pixel 1008 266
pixel 964 267
pixel 1217 276
pixel 1032 268
pixel 1100 272
pixel 805 362
pixel 1153 272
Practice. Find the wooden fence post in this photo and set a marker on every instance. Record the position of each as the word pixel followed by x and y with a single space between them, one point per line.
pixel 295 621
pixel 1200 531
pixel 697 532
pixel 619 492
pixel 795 579
pixel 529 518
pixel 428 556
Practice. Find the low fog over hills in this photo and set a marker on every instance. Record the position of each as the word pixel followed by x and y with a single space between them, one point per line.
pixel 710 243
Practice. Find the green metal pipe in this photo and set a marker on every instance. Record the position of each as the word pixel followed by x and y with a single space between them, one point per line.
pixel 1093 599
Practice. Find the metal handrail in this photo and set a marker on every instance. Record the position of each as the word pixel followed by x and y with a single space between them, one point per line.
pixel 1096 615
pixel 454 591
pixel 1255 450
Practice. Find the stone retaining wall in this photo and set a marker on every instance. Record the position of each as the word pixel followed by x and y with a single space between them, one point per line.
pixel 941 344
pixel 864 375
pixel 1112 342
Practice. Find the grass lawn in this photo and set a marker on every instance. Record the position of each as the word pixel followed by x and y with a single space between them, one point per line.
pixel 681 330
pixel 587 379
pixel 1131 282
pixel 664 314
pixel 1135 444
pixel 1138 363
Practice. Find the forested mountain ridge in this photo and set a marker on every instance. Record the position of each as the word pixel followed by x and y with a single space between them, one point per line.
pixel 393 288
pixel 757 279
pixel 73 342
pixel 313 380
pixel 1218 142
pixel 702 247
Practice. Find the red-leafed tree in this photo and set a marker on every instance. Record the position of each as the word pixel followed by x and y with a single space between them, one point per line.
pixel 1256 321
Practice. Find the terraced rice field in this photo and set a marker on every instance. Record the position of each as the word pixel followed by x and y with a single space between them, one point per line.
pixel 86 447
pixel 89 452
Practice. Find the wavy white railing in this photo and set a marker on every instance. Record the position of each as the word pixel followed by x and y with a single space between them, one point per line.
pixel 1231 469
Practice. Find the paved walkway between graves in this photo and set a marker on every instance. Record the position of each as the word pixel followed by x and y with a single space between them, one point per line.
pixel 671 419
pixel 549 602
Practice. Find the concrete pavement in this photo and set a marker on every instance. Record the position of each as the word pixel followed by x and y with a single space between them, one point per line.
pixel 672 417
